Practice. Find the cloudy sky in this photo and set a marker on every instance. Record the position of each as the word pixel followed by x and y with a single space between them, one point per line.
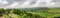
pixel 29 3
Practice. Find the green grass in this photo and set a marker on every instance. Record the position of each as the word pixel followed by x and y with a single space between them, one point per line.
pixel 39 13
pixel 48 15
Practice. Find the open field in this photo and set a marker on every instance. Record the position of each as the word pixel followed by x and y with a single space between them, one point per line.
pixel 38 13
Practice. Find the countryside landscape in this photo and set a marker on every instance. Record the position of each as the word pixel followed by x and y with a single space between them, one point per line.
pixel 29 8
pixel 40 12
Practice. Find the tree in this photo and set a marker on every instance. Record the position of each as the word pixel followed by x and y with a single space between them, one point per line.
pixel 19 12
pixel 2 11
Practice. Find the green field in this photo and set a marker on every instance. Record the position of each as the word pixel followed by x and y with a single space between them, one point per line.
pixel 30 13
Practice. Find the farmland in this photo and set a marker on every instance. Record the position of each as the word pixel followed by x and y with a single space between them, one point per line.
pixel 30 13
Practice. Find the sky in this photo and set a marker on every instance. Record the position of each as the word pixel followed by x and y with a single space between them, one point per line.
pixel 29 3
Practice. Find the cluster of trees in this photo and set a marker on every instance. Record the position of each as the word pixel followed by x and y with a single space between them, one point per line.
pixel 19 12
pixel 2 11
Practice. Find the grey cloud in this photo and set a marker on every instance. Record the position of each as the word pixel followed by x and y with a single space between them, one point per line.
pixel 33 2
pixel 12 1
pixel 30 3
pixel 55 0
pixel 43 2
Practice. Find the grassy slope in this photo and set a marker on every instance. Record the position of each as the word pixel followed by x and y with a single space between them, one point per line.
pixel 39 13
pixel 49 15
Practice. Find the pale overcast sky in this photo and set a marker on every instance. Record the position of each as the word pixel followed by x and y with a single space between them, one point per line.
pixel 29 3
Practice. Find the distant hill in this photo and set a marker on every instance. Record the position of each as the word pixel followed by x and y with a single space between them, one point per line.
pixel 35 9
